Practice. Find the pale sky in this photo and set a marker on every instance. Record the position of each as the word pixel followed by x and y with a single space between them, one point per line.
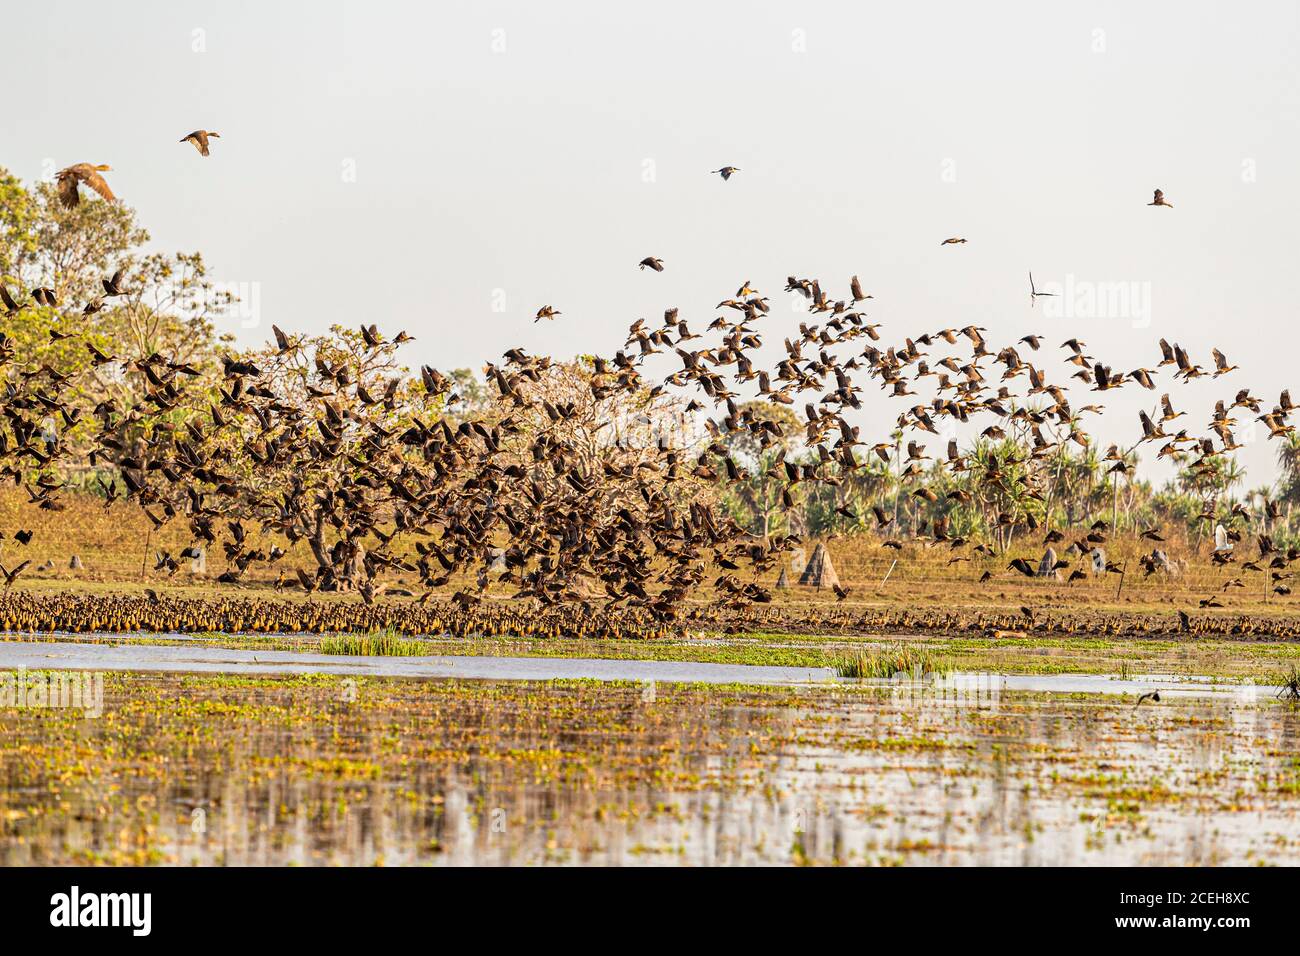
pixel 522 154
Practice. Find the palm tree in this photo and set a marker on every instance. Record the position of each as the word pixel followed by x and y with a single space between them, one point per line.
pixel 1288 465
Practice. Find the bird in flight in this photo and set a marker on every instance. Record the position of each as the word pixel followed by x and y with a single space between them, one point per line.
pixel 1221 366
pixel 952 242
pixel 200 139
pixel 68 180
pixel 11 307
pixel 650 262
pixel 546 312
pixel 10 576
pixel 113 284
pixel 1159 200
pixel 1034 293
pixel 725 172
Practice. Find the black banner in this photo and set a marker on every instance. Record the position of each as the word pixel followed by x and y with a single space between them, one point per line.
pixel 337 905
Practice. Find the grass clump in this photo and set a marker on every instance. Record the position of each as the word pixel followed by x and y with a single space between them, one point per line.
pixel 385 643
pixel 911 662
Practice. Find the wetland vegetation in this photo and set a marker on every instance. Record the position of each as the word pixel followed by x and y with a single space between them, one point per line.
pixel 185 769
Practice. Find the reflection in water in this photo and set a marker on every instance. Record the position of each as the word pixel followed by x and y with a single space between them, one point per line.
pixel 308 771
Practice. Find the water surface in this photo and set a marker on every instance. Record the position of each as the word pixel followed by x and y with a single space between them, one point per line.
pixel 333 769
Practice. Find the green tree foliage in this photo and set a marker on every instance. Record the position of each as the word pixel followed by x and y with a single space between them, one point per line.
pixel 170 305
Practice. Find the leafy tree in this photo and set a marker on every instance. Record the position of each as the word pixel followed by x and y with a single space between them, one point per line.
pixel 169 305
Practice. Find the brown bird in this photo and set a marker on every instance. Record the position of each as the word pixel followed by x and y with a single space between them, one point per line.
pixel 952 242
pixel 12 308
pixel 200 140
pixel 10 576
pixel 1159 200
pixel 650 262
pixel 1221 366
pixel 726 172
pixel 282 341
pixel 68 180
pixel 113 284
pixel 1023 566
pixel 856 288
pixel 97 357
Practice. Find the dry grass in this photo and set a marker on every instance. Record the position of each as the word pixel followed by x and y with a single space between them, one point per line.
pixel 113 542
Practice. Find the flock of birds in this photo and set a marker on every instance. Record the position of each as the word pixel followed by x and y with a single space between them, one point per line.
pixel 380 476
pixel 73 612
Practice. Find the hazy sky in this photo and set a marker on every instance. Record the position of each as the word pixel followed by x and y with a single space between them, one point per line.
pixel 447 168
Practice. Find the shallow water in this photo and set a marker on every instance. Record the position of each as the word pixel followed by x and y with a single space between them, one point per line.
pixel 239 770
pixel 1164 684
pixel 67 655
pixel 206 658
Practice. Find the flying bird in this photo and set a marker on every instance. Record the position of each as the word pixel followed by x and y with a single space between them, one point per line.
pixel 12 308
pixel 856 288
pixel 113 284
pixel 1159 200
pixel 1034 293
pixel 11 576
pixel 1221 366
pixel 69 179
pixel 200 139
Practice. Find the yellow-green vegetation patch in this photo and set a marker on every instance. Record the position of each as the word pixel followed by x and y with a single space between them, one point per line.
pixel 386 643
pixel 900 660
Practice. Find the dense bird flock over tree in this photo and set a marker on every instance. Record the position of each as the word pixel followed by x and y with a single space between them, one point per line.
pixel 574 482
